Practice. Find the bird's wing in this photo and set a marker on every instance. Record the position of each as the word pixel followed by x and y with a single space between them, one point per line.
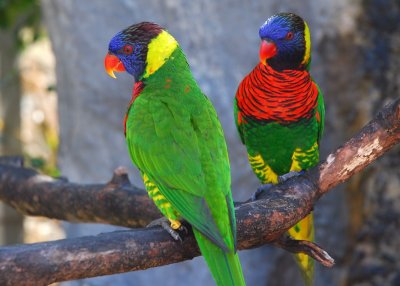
pixel 238 119
pixel 169 148
pixel 321 114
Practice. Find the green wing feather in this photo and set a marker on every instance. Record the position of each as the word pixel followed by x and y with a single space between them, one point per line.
pixel 321 113
pixel 195 210
pixel 238 125
pixel 185 158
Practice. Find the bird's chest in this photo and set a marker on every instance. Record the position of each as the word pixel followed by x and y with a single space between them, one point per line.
pixel 284 97
pixel 141 137
pixel 151 120
pixel 137 89
pixel 140 122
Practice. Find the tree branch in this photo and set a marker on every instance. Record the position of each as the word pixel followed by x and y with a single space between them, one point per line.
pixel 304 246
pixel 116 202
pixel 373 140
pixel 259 222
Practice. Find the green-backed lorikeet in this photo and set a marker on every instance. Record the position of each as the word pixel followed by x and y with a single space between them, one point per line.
pixel 176 140
pixel 279 111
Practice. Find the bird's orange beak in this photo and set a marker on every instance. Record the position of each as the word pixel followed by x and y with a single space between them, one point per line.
pixel 113 64
pixel 267 50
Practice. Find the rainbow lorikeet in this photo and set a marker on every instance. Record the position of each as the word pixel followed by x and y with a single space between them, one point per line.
pixel 279 112
pixel 176 140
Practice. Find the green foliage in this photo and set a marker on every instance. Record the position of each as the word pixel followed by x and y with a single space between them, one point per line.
pixel 16 15
pixel 10 10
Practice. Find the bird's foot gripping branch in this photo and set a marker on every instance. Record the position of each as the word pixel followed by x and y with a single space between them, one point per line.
pixel 118 202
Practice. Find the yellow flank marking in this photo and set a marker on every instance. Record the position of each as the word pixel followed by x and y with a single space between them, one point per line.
pixel 307 39
pixel 158 197
pixel 295 164
pixel 149 184
pixel 263 170
pixel 175 224
pixel 146 180
pixel 159 50
pixel 161 202
pixel 150 187
pixel 299 153
pixel 152 192
pixel 165 205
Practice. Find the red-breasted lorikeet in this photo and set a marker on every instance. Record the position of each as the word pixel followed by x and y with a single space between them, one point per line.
pixel 279 112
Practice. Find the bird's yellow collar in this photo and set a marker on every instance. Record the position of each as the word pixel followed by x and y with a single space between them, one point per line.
pixel 159 50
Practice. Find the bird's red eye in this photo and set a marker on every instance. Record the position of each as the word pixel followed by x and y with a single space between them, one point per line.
pixel 127 49
pixel 289 36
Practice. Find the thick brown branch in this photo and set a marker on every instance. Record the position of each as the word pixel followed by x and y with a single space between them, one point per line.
pixel 116 252
pixel 377 137
pixel 258 222
pixel 117 202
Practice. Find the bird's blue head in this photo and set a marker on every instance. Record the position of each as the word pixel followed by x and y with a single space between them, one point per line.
pixel 285 42
pixel 139 49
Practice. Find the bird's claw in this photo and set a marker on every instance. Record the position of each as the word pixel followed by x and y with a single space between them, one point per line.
pixel 183 229
pixel 281 179
pixel 165 224
pixel 172 232
pixel 289 175
pixel 261 189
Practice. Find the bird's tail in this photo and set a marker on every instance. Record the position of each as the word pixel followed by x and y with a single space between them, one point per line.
pixel 224 266
pixel 304 230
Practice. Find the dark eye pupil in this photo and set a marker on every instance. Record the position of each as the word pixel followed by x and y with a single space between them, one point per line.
pixel 289 35
pixel 128 49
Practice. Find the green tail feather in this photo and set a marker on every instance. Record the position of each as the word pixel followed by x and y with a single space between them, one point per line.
pixel 225 267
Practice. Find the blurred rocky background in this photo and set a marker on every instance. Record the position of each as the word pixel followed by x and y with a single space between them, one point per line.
pixel 356 61
pixel 28 109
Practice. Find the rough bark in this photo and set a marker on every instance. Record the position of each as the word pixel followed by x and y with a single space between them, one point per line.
pixel 116 202
pixel 259 222
pixel 114 252
pixel 374 139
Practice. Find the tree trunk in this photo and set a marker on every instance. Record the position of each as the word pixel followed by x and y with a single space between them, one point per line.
pixel 10 126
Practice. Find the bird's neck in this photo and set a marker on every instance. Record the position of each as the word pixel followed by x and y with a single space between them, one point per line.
pixel 284 96
pixel 174 71
pixel 159 51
